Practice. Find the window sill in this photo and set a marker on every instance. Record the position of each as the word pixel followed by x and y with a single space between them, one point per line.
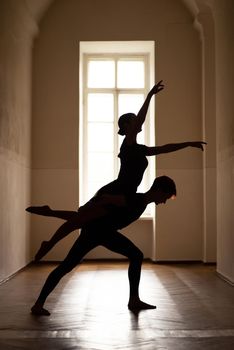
pixel 146 217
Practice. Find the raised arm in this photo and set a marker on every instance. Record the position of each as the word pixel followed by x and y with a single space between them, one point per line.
pixel 141 115
pixel 172 147
pixel 140 118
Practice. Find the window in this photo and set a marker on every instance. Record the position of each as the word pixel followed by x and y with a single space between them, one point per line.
pixel 113 81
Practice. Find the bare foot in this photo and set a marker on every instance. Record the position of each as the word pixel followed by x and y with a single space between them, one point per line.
pixel 43 250
pixel 39 311
pixel 139 305
pixel 42 210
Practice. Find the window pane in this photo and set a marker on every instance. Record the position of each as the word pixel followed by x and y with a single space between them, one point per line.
pixel 100 107
pixel 100 137
pixel 130 103
pixel 100 167
pixel 100 171
pixel 101 74
pixel 141 137
pixel 130 74
pixel 92 189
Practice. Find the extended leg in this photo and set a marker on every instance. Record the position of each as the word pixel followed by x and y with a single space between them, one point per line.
pixel 45 210
pixel 81 247
pixel 66 228
pixel 84 215
pixel 91 210
pixel 118 243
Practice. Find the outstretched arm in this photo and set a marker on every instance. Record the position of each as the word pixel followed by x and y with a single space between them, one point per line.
pixel 141 115
pixel 172 147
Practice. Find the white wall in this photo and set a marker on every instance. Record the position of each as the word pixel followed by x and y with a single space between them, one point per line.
pixel 224 33
pixel 178 110
pixel 15 135
pixel 179 231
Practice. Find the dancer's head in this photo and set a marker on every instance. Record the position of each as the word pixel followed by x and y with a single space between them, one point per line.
pixel 124 123
pixel 163 188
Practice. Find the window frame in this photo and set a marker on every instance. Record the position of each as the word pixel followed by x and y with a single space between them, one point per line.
pixel 115 51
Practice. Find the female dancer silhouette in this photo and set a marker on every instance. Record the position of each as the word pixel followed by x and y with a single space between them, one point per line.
pixel 133 163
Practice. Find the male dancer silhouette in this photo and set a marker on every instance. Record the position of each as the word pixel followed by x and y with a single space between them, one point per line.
pixel 104 231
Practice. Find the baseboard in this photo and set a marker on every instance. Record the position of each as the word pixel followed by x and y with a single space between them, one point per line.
pixel 224 278
pixel 183 262
pixel 96 260
pixel 15 273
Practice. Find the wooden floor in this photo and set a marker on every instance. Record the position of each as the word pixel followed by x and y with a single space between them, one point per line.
pixel 195 309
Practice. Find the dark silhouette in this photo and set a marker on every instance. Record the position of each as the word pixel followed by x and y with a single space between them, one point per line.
pixel 103 231
pixel 133 163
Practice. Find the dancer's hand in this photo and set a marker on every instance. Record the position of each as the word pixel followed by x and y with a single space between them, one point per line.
pixel 156 88
pixel 198 144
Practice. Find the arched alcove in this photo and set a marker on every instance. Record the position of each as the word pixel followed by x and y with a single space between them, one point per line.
pixel 178 54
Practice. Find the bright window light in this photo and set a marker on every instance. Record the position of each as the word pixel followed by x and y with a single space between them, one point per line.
pixel 131 74
pixel 100 107
pixel 100 137
pixel 101 74
pixel 100 170
pixel 123 80
pixel 130 103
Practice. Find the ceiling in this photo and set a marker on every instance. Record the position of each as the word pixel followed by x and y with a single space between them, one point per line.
pixel 37 8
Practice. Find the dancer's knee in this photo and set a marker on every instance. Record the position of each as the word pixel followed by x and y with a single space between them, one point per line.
pixel 137 256
pixel 140 255
pixel 63 269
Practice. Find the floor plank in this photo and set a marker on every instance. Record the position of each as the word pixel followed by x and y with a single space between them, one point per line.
pixel 195 309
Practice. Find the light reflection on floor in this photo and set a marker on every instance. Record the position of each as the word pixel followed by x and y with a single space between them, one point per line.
pixel 195 310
